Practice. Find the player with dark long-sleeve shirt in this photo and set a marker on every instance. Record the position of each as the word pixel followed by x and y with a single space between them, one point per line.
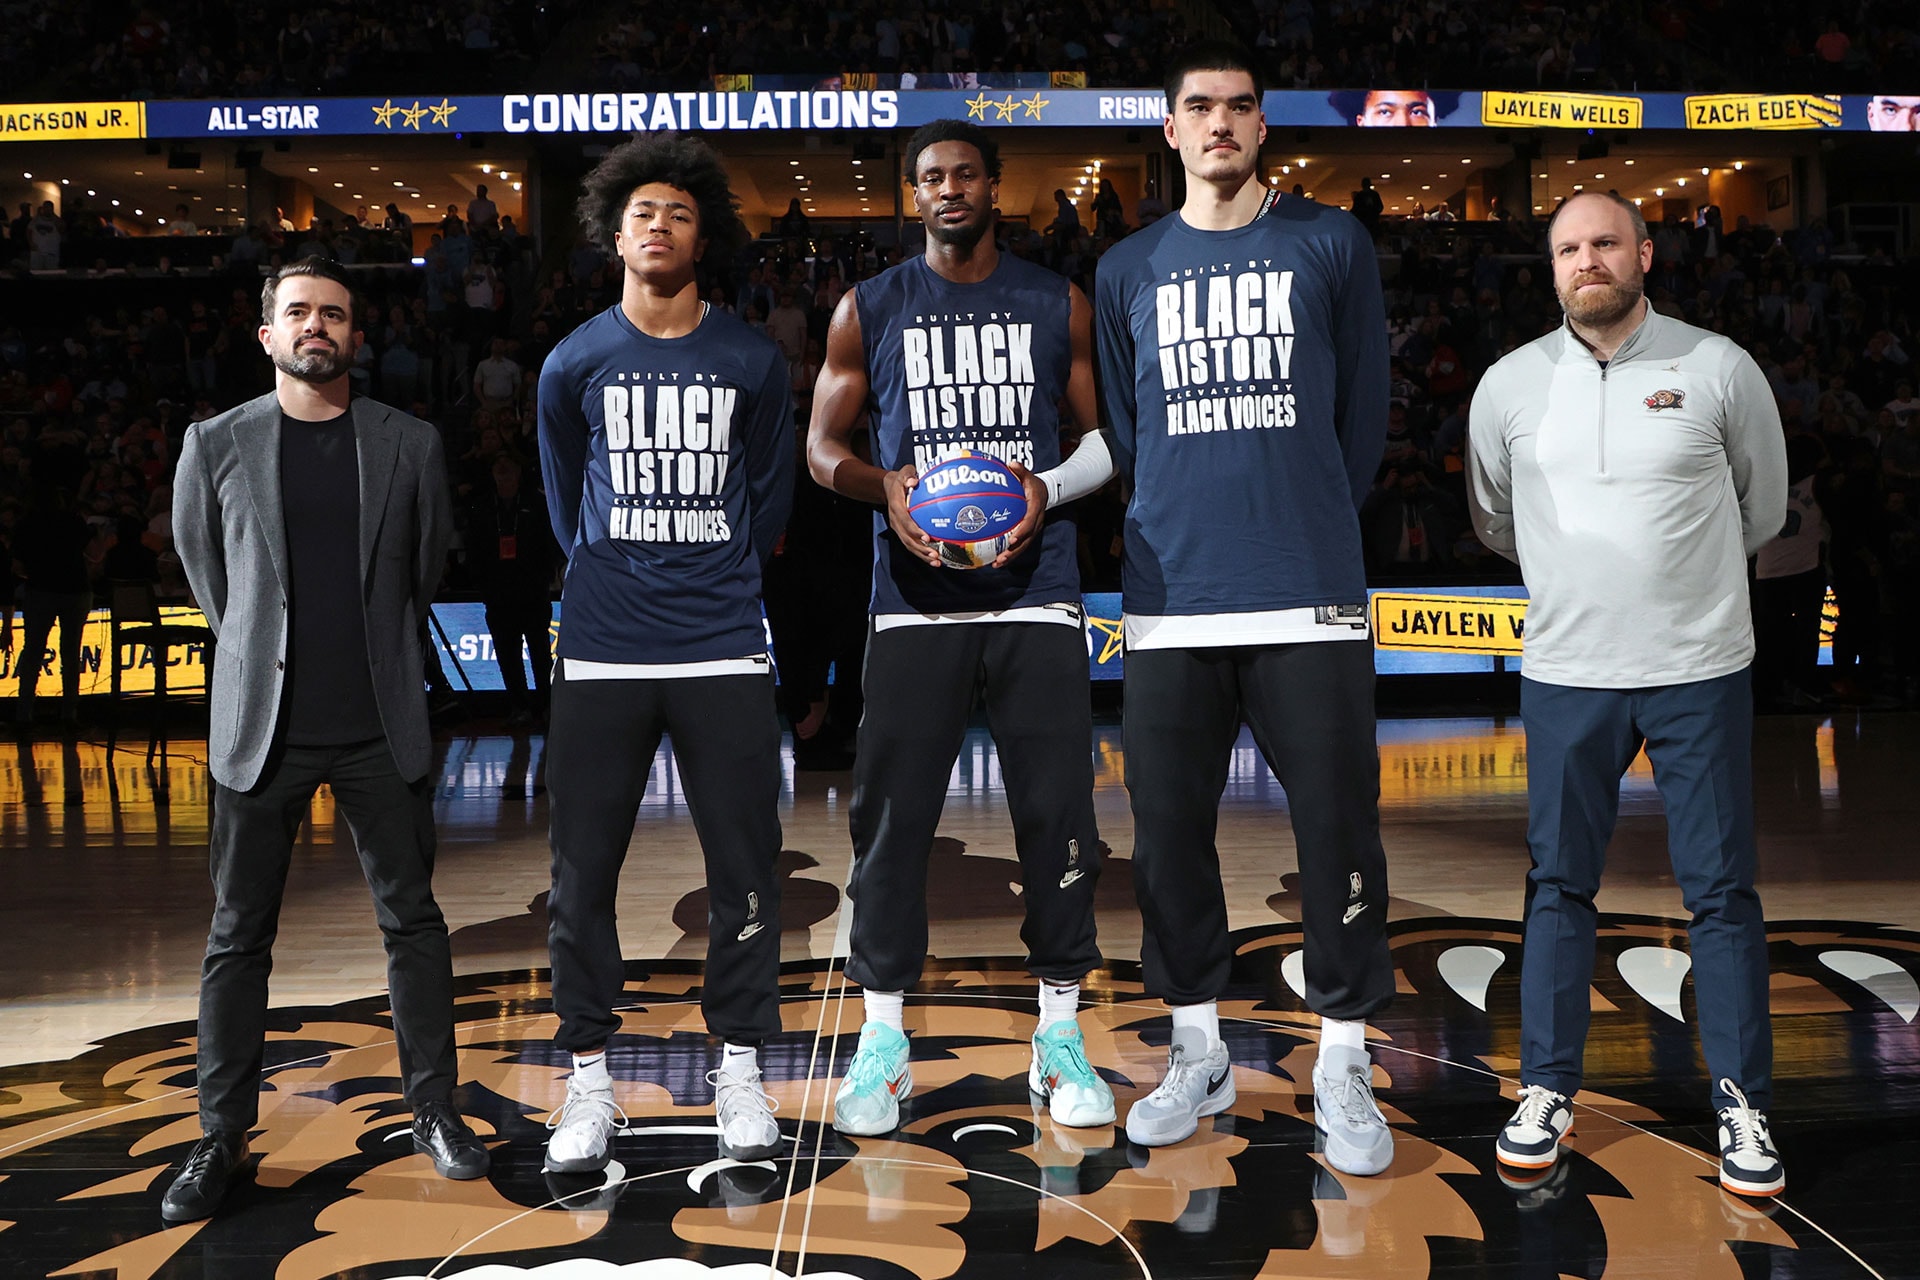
pixel 666 440
pixel 1242 348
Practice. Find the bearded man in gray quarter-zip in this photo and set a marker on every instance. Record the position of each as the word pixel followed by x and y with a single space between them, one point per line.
pixel 1631 463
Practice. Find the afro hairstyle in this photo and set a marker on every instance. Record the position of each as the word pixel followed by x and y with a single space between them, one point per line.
pixel 678 160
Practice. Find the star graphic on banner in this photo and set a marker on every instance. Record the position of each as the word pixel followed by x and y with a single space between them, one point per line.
pixel 384 113
pixel 977 107
pixel 410 116
pixel 1035 105
pixel 1112 629
pixel 1007 108
pixel 443 114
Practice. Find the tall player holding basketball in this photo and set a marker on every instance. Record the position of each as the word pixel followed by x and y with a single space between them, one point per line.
pixel 665 435
pixel 1243 361
pixel 928 350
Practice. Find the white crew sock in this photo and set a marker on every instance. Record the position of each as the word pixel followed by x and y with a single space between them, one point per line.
pixel 1337 1033
pixel 740 1060
pixel 889 1007
pixel 1058 1003
pixel 591 1069
pixel 1201 1017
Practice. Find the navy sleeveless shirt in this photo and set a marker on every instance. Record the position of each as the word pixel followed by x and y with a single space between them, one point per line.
pixel 980 366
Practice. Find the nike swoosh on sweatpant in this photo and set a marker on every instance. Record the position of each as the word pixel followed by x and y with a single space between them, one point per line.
pixel 1071 876
pixel 1353 911
pixel 749 931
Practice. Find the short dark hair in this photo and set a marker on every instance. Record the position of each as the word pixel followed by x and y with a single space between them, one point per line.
pixel 1348 103
pixel 678 160
pixel 1638 219
pixel 973 135
pixel 1213 55
pixel 311 265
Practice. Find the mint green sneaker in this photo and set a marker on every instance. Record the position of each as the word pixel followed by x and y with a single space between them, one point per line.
pixel 868 1103
pixel 1075 1096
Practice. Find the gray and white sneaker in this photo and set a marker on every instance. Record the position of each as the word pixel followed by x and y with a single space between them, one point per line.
pixel 581 1129
pixel 747 1130
pixel 1358 1140
pixel 1532 1136
pixel 1198 1083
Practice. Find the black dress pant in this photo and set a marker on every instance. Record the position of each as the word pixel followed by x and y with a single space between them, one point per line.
pixel 250 847
pixel 1310 707
pixel 601 742
pixel 920 683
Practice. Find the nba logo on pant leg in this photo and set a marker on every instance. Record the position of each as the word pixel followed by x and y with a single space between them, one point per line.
pixel 1353 885
pixel 1073 864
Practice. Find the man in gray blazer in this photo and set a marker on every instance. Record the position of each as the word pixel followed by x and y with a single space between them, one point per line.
pixel 313 528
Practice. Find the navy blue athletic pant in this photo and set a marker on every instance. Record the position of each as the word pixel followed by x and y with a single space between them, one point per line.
pixel 1699 737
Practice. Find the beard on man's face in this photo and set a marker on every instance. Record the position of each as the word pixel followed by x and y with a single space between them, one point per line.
pixel 962 235
pixel 312 359
pixel 1612 299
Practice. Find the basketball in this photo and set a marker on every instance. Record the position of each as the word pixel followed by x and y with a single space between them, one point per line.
pixel 968 504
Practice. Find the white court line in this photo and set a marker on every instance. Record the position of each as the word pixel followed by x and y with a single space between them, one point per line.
pixel 837 998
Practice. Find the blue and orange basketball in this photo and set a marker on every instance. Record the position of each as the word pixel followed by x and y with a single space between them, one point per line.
pixel 968 504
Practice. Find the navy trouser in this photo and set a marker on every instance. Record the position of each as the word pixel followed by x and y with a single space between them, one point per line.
pixel 1699 737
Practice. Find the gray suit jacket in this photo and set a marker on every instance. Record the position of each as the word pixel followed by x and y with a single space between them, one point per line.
pixel 229 527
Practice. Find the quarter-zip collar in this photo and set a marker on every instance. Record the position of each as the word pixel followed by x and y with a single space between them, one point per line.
pixel 1641 336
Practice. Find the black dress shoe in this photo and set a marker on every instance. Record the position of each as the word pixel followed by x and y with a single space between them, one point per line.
pixel 439 1131
pixel 206 1177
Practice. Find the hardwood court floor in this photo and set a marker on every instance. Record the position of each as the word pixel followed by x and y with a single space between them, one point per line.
pixel 107 915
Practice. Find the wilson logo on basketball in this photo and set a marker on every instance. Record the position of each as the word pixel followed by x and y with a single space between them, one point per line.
pixel 1666 400
pixel 950 476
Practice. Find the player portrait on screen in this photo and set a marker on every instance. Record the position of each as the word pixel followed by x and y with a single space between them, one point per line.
pixel 1887 113
pixel 1392 108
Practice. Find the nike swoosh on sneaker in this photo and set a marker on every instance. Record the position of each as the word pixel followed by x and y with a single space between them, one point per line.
pixel 749 931
pixel 1067 880
pixel 1213 1085
pixel 1353 911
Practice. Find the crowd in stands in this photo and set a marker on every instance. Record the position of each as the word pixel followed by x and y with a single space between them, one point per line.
pixel 202 48
pixel 214 48
pixel 99 378
pixel 929 46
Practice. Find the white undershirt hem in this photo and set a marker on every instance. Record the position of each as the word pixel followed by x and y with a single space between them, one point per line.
pixel 1219 630
pixel 581 669
pixel 1068 614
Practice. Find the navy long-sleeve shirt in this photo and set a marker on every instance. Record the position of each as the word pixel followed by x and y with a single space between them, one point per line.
pixel 669 465
pixel 1245 378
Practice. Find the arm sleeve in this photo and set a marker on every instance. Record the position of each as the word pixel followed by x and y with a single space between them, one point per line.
pixel 1113 349
pixel 1490 475
pixel 1360 381
pixel 433 514
pixel 770 455
pixel 196 530
pixel 1757 453
pixel 564 436
pixel 1085 470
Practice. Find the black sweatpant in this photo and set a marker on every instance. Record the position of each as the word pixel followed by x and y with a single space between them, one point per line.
pixel 920 687
pixel 249 850
pixel 1310 707
pixel 600 745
